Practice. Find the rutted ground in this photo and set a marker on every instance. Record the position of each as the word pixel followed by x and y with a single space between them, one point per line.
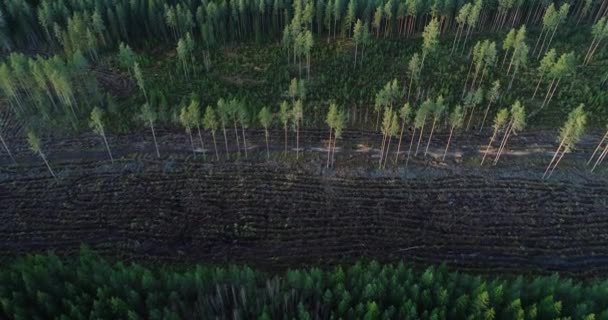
pixel 272 215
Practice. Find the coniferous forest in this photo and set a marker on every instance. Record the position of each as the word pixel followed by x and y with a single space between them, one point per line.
pixel 303 159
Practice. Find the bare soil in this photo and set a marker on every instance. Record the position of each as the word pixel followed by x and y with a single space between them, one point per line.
pixel 282 212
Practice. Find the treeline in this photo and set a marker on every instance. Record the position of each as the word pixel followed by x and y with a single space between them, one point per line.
pixel 54 91
pixel 88 25
pixel 89 287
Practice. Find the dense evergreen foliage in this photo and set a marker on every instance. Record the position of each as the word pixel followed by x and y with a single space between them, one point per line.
pixel 89 287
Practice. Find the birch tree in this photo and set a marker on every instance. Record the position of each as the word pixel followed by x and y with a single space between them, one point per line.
pixel 96 123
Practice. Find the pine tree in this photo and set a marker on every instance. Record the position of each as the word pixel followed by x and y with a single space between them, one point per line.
pixel 492 95
pixel 430 40
pixel 297 117
pixel 140 79
pixel 265 118
pixel 437 111
pixel 516 124
pixel 499 121
pixel 414 73
pixel 223 111
pixel 357 37
pixel 34 143
pixel 185 120
pixel 546 64
pixel 210 123
pixel 599 31
pixel 569 135
pixel 456 121
pixel 148 116
pixel 285 116
pixel 331 120
pixel 404 114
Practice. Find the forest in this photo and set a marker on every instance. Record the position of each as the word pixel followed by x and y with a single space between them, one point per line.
pixel 300 137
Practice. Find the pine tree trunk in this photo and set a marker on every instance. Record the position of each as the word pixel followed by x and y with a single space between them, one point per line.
pixel 538 85
pixel 356 48
pixel 104 140
pixel 47 165
pixel 471 117
pixel 244 141
pixel 485 115
pixel 430 137
pixel 236 136
pixel 513 78
pixel 448 144
pixel 553 92
pixel 410 149
pixel 504 59
pixel 191 142
pixel 419 138
pixel 297 141
pixel 400 138
pixel 538 40
pixel 485 154
pixel 9 152
pixel 286 139
pixel 598 147
pixel 556 164
pixel 217 155
pixel 154 137
pixel 200 137
pixel 548 43
pixel 388 147
pixel 382 151
pixel 226 142
pixel 329 149
pixel 600 159
pixel 504 143
pixel 267 147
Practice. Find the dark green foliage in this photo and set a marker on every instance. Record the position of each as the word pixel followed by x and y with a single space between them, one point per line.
pixel 87 286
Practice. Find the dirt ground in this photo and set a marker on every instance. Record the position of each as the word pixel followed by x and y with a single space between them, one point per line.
pixel 286 212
